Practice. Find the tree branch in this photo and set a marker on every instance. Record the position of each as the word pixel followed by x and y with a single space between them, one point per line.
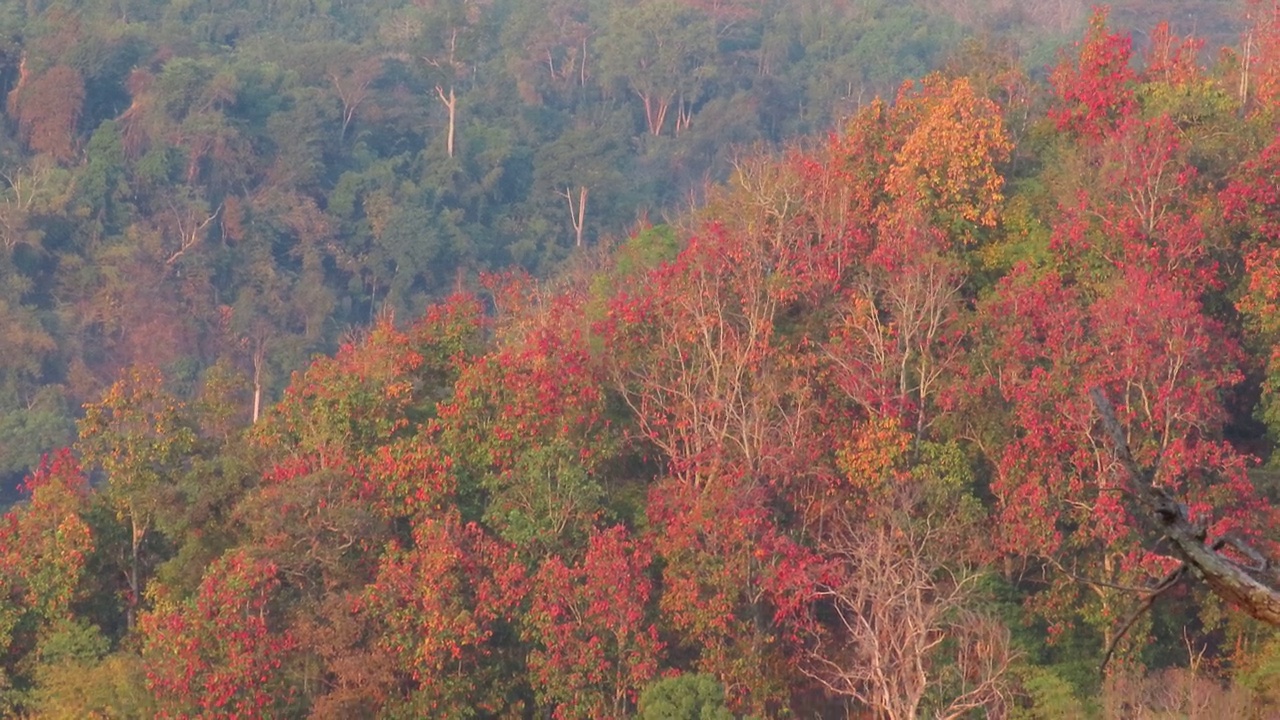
pixel 1165 584
pixel 1229 580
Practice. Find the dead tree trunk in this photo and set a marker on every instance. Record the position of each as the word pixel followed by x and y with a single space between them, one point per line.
pixel 1253 588
pixel 578 213
pixel 451 104
pixel 259 360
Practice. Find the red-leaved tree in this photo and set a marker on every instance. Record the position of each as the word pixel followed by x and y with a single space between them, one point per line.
pixel 594 645
pixel 219 654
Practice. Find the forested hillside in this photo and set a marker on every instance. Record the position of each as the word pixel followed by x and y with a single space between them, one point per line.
pixel 244 181
pixel 601 436
pixel 189 182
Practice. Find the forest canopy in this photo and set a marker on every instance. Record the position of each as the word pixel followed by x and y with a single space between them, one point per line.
pixel 660 360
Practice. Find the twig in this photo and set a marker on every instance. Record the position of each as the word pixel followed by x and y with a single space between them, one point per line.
pixel 1166 583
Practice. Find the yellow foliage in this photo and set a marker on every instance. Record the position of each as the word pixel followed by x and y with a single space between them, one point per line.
pixel 876 449
pixel 949 157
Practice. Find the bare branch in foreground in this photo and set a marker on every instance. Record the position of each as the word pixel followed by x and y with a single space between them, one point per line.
pixel 1251 589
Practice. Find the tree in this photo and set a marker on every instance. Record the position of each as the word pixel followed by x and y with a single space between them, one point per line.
pixel 1095 88
pixel 593 649
pixel 905 635
pixel 322 525
pixel 44 549
pixel 1144 168
pixel 947 159
pixel 684 697
pixel 1252 201
pixel 1144 340
pixel 695 352
pixel 664 52
pixel 50 540
pixel 454 31
pixel 553 58
pixel 47 108
pixel 349 468
pixel 139 435
pixel 218 654
pixel 734 585
pixel 445 602
pixel 1260 65
pixel 352 81
pixel 901 335
pixel 1171 59
pixel 1248 584
pixel 528 426
pixel 580 164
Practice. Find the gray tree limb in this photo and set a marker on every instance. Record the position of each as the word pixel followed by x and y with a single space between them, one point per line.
pixel 1251 589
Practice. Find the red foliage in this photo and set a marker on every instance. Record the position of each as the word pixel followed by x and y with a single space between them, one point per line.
pixel 595 650
pixel 363 396
pixel 1095 88
pixel 407 477
pixel 45 542
pixel 1253 196
pixel 696 351
pixel 902 331
pixel 733 584
pixel 350 402
pixel 1262 59
pixel 441 602
pixel 1147 200
pixel 1171 59
pixel 1146 342
pixel 526 424
pixel 217 654
pixel 543 387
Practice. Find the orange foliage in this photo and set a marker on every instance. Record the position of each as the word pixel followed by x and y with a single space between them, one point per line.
pixel 953 143
pixel 1171 59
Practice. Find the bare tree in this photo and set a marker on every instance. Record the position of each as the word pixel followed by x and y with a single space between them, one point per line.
pixel 1188 693
pixel 578 212
pixel 186 222
pixel 352 83
pixel 900 635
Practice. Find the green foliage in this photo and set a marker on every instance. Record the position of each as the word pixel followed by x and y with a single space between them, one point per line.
pixel 113 686
pixel 684 697
pixel 28 431
pixel 319 490
pixel 646 249
pixel 1050 697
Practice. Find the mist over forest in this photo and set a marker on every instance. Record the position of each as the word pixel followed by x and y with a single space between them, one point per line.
pixel 660 359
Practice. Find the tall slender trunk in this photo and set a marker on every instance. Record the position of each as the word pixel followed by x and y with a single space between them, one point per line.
pixel 578 214
pixel 138 532
pixel 655 111
pixel 684 116
pixel 451 103
pixel 259 359
pixel 1245 62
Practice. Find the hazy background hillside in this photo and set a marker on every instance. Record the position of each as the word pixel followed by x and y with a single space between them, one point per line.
pixel 193 182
